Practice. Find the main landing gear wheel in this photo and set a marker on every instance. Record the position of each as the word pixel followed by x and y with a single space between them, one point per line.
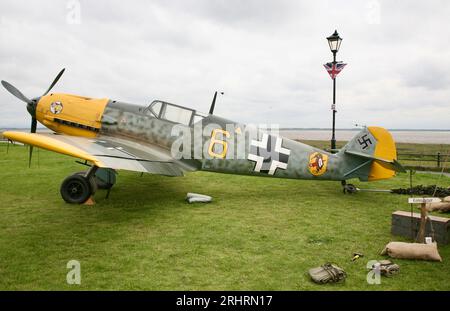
pixel 76 189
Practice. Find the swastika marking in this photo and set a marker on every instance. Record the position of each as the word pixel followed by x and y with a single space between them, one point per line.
pixel 365 141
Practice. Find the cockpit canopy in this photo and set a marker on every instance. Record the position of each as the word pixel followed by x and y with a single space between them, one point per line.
pixel 173 113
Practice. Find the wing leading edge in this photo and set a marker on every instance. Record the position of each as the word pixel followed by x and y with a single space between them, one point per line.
pixel 108 152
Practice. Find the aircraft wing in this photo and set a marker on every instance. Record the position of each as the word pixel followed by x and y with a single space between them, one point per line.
pixel 106 151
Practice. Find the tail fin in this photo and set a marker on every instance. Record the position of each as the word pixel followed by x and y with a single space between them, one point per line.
pixel 371 155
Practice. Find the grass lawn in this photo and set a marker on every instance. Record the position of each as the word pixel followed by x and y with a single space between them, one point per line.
pixel 257 234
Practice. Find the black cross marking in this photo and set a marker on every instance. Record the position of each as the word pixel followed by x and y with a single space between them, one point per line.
pixel 269 154
pixel 365 141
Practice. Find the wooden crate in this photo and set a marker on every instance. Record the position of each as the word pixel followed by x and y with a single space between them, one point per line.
pixel 401 225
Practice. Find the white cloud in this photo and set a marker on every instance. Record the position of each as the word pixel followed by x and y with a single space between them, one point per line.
pixel 266 55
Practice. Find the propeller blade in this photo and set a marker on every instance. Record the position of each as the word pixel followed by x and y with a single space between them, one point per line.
pixel 13 90
pixel 55 81
pixel 33 125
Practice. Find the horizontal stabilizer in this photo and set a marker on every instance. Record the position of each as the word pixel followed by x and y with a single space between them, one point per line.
pixel 390 164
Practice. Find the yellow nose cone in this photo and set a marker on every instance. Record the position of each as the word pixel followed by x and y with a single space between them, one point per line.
pixel 71 114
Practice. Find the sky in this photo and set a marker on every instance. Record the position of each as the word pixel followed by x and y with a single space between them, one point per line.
pixel 266 56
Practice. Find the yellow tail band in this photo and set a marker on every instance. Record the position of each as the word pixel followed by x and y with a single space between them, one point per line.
pixel 384 149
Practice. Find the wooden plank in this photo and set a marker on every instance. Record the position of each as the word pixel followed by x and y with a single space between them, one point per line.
pixel 417 215
pixel 423 200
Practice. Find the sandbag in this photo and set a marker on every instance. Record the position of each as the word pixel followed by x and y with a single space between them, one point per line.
pixel 327 273
pixel 446 199
pixel 439 206
pixel 388 268
pixel 420 251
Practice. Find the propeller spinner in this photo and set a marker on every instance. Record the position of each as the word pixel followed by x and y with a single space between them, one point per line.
pixel 31 104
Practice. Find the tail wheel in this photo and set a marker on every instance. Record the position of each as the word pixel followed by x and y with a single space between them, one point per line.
pixel 76 189
pixel 350 188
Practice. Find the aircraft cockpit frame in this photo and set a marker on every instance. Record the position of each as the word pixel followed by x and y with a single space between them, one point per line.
pixel 173 113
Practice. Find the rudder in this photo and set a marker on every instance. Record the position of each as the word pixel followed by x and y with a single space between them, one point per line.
pixel 384 149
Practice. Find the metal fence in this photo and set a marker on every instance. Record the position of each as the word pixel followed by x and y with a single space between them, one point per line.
pixel 436 160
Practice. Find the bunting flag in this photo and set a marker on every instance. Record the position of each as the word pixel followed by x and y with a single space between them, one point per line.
pixel 334 69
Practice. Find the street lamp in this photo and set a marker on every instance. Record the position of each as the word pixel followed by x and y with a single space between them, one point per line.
pixel 334 41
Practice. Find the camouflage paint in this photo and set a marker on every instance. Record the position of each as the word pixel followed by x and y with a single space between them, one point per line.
pixel 132 122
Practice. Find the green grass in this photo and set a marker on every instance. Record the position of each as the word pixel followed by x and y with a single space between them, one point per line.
pixel 257 234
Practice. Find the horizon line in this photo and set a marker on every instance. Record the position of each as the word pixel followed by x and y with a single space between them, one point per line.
pixel 288 128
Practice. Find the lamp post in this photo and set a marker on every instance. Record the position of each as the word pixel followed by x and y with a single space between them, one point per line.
pixel 334 41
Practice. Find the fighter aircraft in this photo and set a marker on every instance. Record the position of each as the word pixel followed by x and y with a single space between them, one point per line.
pixel 111 135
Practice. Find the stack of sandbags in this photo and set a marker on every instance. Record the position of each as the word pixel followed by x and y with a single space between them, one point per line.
pixel 420 251
pixel 443 206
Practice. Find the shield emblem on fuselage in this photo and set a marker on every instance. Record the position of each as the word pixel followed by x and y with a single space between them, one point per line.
pixel 318 163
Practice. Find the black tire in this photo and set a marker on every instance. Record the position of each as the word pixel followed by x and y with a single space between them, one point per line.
pixel 76 189
pixel 351 188
pixel 92 181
